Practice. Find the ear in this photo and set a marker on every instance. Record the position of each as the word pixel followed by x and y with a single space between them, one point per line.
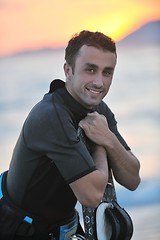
pixel 67 70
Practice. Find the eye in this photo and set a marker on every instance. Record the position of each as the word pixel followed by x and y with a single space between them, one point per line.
pixel 108 73
pixel 90 70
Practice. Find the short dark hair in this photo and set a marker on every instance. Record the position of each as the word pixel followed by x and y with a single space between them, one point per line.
pixel 95 39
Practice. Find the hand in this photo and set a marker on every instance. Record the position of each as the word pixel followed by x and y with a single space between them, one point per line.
pixel 95 127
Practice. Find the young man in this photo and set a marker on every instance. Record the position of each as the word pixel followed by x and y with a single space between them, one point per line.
pixel 51 168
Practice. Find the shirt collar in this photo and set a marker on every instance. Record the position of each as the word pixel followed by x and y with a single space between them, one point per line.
pixel 75 107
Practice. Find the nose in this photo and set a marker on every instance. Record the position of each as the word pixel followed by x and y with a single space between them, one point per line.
pixel 98 81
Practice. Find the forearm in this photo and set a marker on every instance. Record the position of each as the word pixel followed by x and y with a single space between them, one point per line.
pixel 100 160
pixel 124 164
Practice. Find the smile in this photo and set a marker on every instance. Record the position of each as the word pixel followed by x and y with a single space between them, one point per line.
pixel 95 91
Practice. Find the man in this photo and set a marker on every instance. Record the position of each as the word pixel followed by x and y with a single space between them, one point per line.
pixel 51 168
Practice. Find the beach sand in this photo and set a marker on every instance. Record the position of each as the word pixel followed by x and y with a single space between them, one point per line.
pixel 146 222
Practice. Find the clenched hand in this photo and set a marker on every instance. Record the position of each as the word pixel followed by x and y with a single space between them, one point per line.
pixel 96 128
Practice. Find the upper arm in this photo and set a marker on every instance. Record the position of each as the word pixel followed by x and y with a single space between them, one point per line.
pixel 89 189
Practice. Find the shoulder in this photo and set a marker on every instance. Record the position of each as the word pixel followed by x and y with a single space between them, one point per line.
pixel 48 112
pixel 104 109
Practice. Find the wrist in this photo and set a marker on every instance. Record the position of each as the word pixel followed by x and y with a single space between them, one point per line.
pixel 110 142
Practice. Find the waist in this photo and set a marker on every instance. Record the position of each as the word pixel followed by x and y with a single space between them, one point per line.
pixel 58 231
pixel 30 225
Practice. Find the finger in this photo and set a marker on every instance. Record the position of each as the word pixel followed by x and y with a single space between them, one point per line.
pixel 93 114
pixel 83 124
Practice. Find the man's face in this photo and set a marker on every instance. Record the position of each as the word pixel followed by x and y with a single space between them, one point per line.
pixel 92 75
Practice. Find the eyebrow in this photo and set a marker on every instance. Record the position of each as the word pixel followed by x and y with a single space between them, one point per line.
pixel 92 65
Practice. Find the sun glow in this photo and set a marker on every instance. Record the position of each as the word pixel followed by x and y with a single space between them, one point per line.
pixel 36 24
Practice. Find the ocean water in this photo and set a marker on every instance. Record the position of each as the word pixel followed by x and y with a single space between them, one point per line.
pixel 133 97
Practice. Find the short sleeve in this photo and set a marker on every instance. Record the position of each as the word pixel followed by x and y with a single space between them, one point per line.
pixel 49 131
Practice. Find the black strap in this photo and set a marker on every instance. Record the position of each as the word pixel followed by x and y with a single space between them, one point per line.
pixel 89 213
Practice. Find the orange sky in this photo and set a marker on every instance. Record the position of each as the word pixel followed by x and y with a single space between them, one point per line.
pixel 29 24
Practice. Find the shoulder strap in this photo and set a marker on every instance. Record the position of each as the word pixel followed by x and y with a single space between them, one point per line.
pixel 89 213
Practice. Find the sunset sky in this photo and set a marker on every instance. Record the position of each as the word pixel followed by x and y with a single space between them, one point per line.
pixel 33 24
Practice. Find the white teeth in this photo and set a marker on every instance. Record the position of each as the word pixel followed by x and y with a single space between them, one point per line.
pixel 94 91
